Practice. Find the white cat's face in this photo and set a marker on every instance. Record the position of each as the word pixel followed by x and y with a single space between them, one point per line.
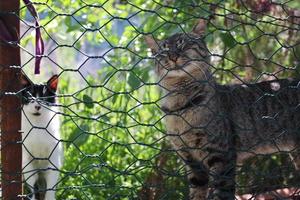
pixel 37 99
pixel 36 107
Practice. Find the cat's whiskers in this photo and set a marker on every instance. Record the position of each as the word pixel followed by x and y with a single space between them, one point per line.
pixel 199 67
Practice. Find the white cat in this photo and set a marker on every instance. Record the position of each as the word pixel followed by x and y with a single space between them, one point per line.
pixel 42 148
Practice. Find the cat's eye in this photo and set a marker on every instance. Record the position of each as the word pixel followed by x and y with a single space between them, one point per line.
pixel 28 94
pixel 165 47
pixel 180 43
pixel 28 99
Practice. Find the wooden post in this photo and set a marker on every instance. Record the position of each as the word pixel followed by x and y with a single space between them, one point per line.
pixel 10 109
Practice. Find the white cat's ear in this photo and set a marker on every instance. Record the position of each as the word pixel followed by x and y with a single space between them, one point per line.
pixel 53 82
pixel 25 81
pixel 200 27
pixel 152 43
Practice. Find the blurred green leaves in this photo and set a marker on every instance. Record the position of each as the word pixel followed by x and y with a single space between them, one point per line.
pixel 133 80
pixel 79 135
pixel 88 101
pixel 228 40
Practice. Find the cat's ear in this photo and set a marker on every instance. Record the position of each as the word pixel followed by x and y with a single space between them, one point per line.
pixel 200 27
pixel 53 82
pixel 152 43
pixel 25 81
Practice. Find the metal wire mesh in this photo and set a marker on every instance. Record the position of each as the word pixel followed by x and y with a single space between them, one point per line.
pixel 120 104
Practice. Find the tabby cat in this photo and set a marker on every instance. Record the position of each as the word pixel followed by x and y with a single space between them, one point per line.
pixel 214 127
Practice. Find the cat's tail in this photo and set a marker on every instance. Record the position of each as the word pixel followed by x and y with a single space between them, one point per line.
pixel 40 187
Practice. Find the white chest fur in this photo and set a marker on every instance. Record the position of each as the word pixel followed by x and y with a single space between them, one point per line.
pixel 41 138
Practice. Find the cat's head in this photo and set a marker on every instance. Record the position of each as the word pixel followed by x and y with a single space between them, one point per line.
pixel 37 98
pixel 182 57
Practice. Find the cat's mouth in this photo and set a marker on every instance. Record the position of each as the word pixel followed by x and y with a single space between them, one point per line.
pixel 178 65
pixel 36 114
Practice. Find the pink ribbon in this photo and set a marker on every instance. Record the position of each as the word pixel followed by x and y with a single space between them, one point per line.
pixel 7 36
pixel 39 43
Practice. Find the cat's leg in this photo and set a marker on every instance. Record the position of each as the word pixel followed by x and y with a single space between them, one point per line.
pixel 221 176
pixel 197 174
pixel 51 177
pixel 40 186
pixel 198 179
pixel 30 178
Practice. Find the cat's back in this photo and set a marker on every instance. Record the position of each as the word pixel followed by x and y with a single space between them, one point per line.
pixel 277 99
pixel 262 112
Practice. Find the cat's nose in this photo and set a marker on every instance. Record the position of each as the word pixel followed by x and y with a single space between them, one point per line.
pixel 173 57
pixel 37 107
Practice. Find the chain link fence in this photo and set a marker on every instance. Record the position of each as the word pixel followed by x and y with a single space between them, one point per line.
pixel 159 99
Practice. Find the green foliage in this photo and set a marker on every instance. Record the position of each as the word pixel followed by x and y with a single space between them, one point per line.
pixel 111 143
